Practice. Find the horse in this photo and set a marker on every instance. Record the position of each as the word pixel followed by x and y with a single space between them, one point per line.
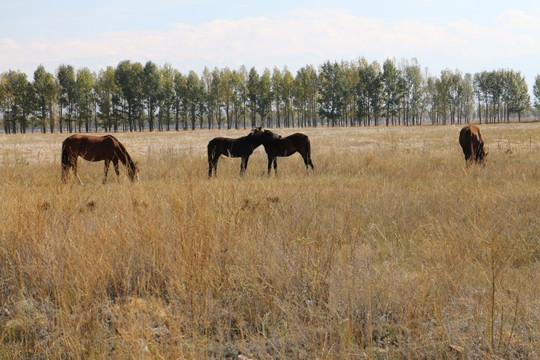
pixel 241 147
pixel 275 146
pixel 96 148
pixel 472 143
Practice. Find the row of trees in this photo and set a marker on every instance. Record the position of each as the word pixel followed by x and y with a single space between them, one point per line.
pixel 135 97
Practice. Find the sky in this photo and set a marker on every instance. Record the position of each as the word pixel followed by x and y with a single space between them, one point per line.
pixel 469 36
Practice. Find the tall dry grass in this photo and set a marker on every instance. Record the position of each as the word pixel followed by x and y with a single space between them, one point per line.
pixel 390 249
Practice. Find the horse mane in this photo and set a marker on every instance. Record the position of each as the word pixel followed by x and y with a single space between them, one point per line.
pixel 273 134
pixel 123 149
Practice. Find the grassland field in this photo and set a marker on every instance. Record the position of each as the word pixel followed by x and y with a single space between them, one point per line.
pixel 390 249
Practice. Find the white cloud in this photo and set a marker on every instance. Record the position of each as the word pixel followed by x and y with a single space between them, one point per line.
pixel 513 19
pixel 310 36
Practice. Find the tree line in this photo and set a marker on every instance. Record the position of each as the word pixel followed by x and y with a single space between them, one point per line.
pixel 136 97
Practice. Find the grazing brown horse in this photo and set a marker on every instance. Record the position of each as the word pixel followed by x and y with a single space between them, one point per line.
pixel 275 146
pixel 241 147
pixel 96 148
pixel 472 143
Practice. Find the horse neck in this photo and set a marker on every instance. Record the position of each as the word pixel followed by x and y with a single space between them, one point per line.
pixel 270 138
pixel 124 157
pixel 253 140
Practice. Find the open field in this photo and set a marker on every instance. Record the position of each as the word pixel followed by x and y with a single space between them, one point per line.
pixel 390 249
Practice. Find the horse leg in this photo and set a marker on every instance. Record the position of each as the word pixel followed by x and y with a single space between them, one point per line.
pixel 243 165
pixel 65 170
pixel 73 162
pixel 106 170
pixel 477 157
pixel 469 156
pixel 270 159
pixel 65 165
pixel 116 169
pixel 308 155
pixel 212 164
pixel 468 160
pixel 307 161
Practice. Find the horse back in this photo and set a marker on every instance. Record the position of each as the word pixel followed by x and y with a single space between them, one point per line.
pixel 217 146
pixel 470 137
pixel 297 142
pixel 229 147
pixel 90 147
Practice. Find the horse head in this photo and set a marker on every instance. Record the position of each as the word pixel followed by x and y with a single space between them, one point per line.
pixel 271 135
pixel 256 131
pixel 133 171
pixel 482 155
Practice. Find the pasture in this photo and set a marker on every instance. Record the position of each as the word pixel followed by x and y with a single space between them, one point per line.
pixel 389 249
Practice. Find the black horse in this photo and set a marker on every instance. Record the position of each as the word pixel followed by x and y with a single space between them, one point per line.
pixel 275 146
pixel 242 147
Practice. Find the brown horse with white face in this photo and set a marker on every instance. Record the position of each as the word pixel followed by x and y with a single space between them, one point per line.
pixel 472 144
pixel 275 146
pixel 96 148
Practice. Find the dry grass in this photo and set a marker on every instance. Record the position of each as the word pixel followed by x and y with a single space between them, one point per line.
pixel 390 249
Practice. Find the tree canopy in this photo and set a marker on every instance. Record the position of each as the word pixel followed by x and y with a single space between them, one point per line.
pixel 136 97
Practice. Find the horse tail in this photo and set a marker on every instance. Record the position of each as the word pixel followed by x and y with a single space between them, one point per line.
pixel 308 153
pixel 211 150
pixel 212 157
pixel 65 162
pixel 65 157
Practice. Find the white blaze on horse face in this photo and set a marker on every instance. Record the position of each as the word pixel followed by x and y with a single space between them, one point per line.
pixel 137 177
pixel 79 179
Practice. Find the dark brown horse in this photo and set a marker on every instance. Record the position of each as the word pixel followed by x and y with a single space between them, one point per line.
pixel 472 143
pixel 96 148
pixel 241 147
pixel 275 146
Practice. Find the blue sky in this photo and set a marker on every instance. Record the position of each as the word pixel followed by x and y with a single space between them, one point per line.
pixel 467 35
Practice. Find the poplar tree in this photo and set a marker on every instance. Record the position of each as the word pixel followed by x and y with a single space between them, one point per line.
pixel 277 93
pixel 264 97
pixel 180 87
pixel 105 89
pixel 226 85
pixel 194 93
pixel 15 97
pixel 536 91
pixel 333 91
pixel 253 94
pixel 67 94
pixel 151 89
pixel 519 98
pixel 167 93
pixel 84 86
pixel 46 92
pixel 129 78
